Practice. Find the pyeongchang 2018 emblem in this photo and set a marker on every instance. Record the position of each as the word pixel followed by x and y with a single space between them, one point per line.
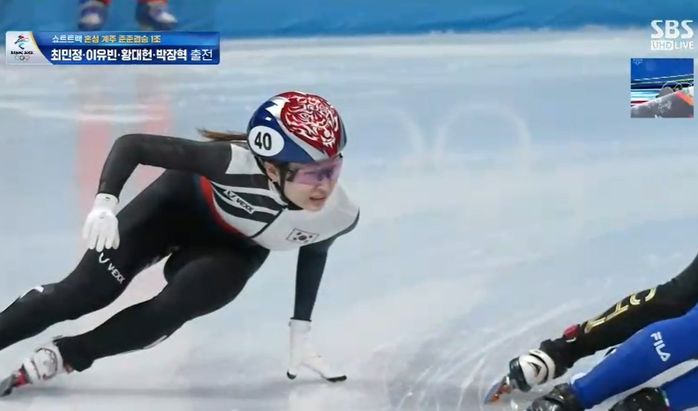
pixel 20 47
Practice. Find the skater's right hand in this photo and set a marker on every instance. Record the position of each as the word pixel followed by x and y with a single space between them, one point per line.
pixel 101 229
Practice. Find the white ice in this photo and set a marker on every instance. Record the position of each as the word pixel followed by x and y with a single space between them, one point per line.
pixel 506 194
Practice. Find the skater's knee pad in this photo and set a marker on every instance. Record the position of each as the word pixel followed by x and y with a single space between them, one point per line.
pixel 41 296
pixel 40 291
pixel 42 300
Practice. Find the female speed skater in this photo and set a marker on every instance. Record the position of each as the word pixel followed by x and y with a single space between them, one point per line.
pixel 614 326
pixel 216 211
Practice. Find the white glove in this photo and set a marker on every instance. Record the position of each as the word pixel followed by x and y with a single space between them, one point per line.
pixel 303 354
pixel 101 229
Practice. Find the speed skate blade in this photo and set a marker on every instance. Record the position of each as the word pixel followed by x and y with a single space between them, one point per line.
pixel 500 388
pixel 8 384
pixel 16 379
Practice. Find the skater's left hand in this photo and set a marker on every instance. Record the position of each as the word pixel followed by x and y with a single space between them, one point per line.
pixel 101 228
pixel 303 354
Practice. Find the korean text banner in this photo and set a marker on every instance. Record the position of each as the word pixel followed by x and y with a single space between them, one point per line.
pixel 120 47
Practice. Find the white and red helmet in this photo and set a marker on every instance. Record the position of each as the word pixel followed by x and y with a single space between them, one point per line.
pixel 296 127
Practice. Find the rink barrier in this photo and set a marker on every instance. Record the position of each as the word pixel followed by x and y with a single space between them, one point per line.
pixel 258 18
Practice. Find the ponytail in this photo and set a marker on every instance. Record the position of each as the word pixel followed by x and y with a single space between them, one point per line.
pixel 232 136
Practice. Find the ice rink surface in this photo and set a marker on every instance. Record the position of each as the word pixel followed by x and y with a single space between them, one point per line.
pixel 505 194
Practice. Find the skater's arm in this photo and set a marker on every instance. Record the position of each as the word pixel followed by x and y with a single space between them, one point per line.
pixel 205 158
pixel 311 266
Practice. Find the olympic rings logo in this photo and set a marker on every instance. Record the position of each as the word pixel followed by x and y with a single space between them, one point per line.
pixel 22 57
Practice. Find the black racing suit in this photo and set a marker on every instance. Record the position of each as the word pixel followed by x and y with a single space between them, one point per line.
pixel 207 268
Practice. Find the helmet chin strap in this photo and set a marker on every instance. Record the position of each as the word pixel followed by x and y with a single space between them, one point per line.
pixel 281 185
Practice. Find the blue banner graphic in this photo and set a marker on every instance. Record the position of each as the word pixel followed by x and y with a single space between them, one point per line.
pixel 110 48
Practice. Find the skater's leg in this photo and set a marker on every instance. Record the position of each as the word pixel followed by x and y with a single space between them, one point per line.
pixel 155 15
pixel 206 279
pixel 681 392
pixel 147 234
pixel 648 353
